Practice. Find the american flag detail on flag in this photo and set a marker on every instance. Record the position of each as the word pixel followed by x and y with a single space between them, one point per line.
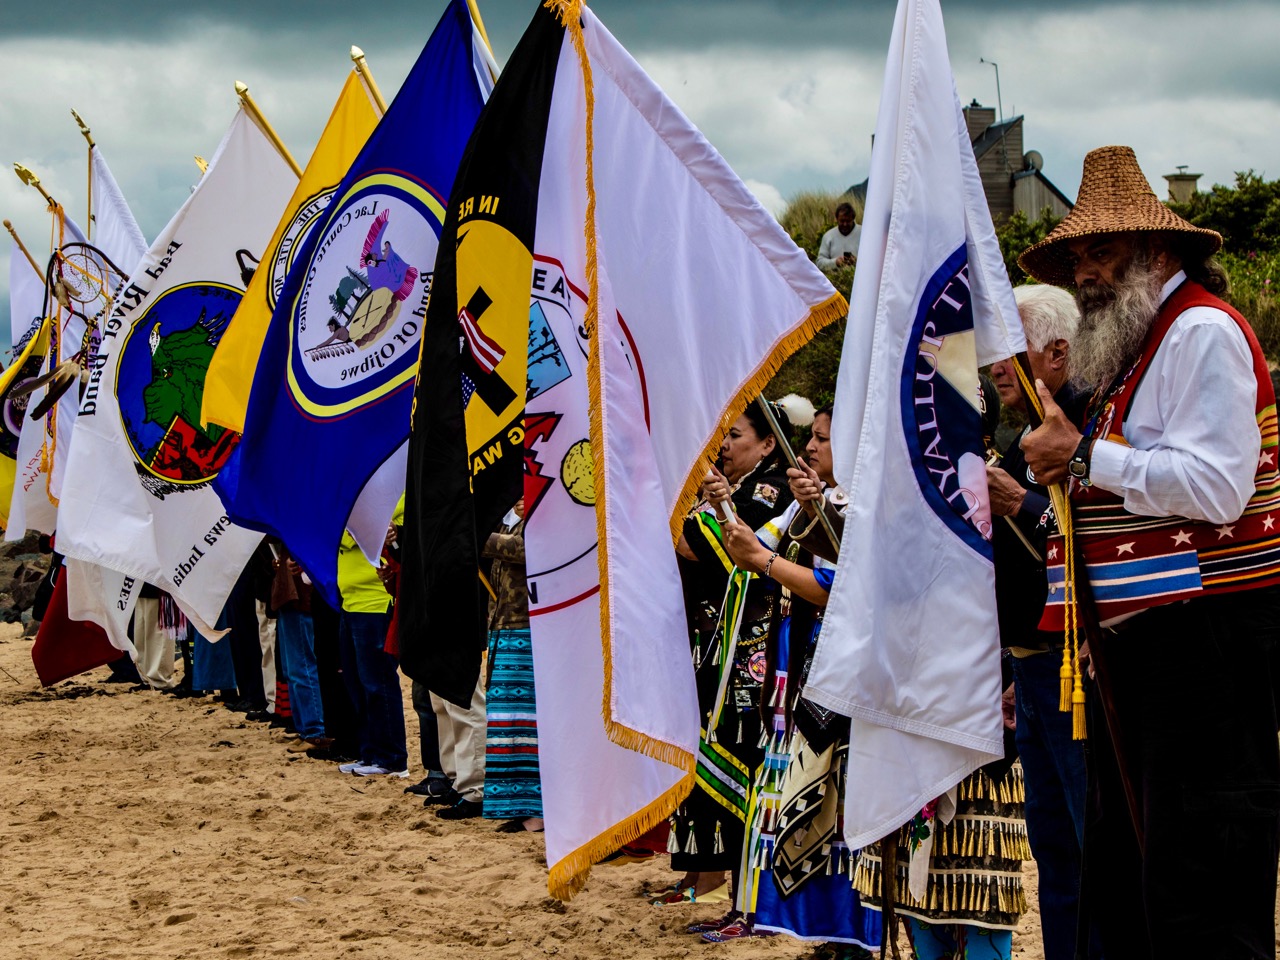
pixel 484 350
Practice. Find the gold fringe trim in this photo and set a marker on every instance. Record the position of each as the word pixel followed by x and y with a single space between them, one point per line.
pixel 948 892
pixel 569 13
pixel 821 315
pixel 568 876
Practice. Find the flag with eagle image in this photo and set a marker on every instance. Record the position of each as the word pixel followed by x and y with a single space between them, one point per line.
pixel 137 497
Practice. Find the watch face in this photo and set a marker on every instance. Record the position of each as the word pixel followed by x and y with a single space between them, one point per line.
pixel 1077 468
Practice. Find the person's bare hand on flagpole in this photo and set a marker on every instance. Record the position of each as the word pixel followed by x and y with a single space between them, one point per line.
pixel 805 486
pixel 1050 446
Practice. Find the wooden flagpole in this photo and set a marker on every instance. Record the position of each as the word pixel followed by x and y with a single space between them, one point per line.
pixel 84 129
pixel 366 77
pixel 242 91
pixel 27 176
pixel 23 247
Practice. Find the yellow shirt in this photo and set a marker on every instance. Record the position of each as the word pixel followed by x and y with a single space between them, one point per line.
pixel 358 582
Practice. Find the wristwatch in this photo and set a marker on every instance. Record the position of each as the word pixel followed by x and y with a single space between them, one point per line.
pixel 1078 467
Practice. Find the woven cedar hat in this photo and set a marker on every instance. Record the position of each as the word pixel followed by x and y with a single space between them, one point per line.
pixel 1114 198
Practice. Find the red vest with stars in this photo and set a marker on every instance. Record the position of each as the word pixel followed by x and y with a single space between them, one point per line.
pixel 1136 562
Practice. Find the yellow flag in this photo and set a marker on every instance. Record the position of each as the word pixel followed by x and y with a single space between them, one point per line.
pixel 24 368
pixel 230 376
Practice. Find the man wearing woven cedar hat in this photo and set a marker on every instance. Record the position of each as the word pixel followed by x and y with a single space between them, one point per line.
pixel 1176 506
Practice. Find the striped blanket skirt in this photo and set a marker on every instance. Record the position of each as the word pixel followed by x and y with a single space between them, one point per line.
pixel 512 788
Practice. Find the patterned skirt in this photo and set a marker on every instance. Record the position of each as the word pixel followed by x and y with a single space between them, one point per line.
pixel 512 788
pixel 975 861
pixel 826 907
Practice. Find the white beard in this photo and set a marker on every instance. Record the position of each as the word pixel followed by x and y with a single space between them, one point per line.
pixel 1113 323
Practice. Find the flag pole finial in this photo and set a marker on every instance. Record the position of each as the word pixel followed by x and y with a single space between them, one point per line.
pixel 27 176
pixel 84 127
pixel 242 91
pixel 366 77
pixel 23 247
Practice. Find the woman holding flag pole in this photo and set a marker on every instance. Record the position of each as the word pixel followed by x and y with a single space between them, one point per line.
pixel 708 829
pixel 795 868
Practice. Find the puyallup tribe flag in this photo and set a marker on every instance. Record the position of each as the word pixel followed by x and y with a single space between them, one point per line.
pixel 327 429
pixel 596 378
pixel 137 496
pixel 909 645
pixel 230 376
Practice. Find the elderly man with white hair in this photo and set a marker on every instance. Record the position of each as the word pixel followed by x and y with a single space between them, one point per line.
pixel 1053 763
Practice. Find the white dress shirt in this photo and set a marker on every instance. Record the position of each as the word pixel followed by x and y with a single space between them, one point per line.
pixel 835 245
pixel 1192 427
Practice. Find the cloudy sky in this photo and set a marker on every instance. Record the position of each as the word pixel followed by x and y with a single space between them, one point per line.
pixel 786 89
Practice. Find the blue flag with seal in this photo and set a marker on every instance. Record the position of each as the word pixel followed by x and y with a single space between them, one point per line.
pixel 325 439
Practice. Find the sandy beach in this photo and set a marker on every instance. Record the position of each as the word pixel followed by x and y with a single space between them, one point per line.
pixel 136 825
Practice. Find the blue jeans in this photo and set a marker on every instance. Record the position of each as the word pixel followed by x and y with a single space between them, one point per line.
pixel 297 646
pixel 373 681
pixel 1053 766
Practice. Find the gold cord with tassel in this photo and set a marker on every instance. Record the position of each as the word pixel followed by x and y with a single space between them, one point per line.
pixel 1070 680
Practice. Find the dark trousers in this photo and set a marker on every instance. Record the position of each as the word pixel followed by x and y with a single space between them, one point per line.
pixel 1192 688
pixel 373 681
pixel 246 649
pixel 339 714
pixel 1053 767
pixel 428 729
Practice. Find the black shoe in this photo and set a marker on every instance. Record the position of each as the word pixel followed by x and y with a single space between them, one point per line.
pixel 240 706
pixel 462 810
pixel 282 723
pixel 445 799
pixel 258 716
pixel 433 785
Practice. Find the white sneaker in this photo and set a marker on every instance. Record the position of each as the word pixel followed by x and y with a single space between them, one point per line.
pixel 350 767
pixel 373 770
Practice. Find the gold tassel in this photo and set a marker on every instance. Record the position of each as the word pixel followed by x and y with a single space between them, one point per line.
pixel 1078 730
pixel 1064 680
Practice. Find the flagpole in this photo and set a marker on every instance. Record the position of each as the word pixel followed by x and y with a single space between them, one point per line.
pixel 479 22
pixel 23 247
pixel 84 129
pixel 366 76
pixel 28 177
pixel 1081 590
pixel 242 91
pixel 781 438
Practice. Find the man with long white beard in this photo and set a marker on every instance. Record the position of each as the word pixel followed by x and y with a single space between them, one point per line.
pixel 1175 493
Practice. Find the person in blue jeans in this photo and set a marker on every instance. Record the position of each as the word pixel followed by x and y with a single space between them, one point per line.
pixel 371 674
pixel 295 639
pixel 1053 763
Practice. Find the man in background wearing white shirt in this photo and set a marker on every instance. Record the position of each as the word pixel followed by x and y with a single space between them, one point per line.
pixel 1177 513
pixel 839 246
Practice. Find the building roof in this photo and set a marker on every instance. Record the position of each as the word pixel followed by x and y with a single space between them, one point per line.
pixel 992 135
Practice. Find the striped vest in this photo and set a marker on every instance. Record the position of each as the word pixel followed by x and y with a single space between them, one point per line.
pixel 1135 562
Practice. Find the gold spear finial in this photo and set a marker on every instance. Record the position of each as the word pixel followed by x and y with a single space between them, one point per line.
pixel 27 176
pixel 362 68
pixel 84 127
pixel 202 163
